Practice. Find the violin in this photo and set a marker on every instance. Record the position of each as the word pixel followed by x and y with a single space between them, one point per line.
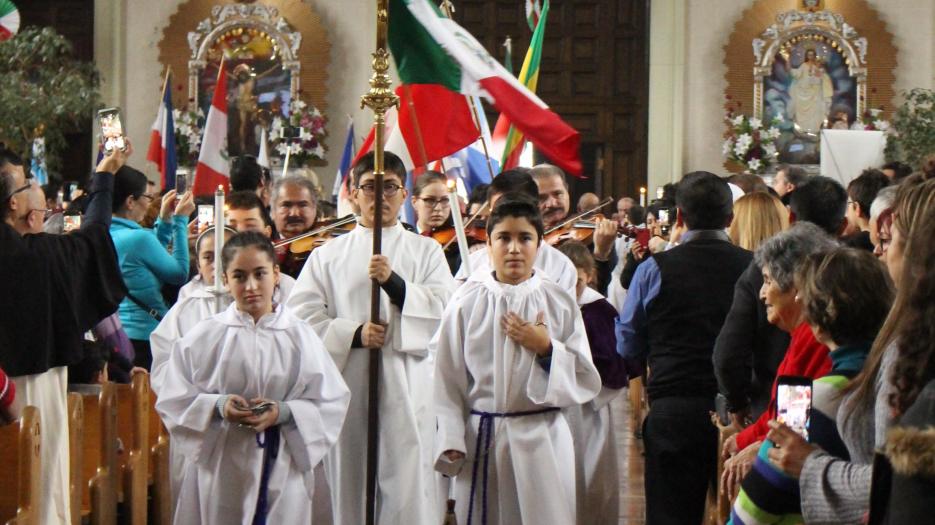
pixel 322 232
pixel 578 228
pixel 475 230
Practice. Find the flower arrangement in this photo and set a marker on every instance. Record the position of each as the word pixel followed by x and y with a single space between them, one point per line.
pixel 188 128
pixel 872 120
pixel 751 142
pixel 309 145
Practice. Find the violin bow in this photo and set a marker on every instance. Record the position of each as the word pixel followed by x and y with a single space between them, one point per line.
pixel 466 224
pixel 581 215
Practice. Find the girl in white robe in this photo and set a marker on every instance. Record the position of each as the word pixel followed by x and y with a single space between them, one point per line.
pixel 511 351
pixel 245 463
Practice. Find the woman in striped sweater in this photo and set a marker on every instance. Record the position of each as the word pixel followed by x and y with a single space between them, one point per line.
pixel 845 294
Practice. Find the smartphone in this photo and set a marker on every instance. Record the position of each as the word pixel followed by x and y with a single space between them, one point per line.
pixel 664 216
pixel 181 182
pixel 205 216
pixel 794 403
pixel 72 222
pixel 289 132
pixel 261 408
pixel 70 188
pixel 112 136
pixel 642 237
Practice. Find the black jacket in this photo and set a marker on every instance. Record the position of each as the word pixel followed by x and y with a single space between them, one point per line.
pixel 748 349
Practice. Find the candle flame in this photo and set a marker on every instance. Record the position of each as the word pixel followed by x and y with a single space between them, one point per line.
pixel 642 190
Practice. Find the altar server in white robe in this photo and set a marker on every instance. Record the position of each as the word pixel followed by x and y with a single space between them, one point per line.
pixel 550 262
pixel 252 400
pixel 511 352
pixel 332 294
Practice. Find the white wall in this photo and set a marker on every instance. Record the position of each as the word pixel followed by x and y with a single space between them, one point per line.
pixel 708 26
pixel 127 35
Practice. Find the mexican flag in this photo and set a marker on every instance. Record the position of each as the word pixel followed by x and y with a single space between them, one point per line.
pixel 9 20
pixel 433 50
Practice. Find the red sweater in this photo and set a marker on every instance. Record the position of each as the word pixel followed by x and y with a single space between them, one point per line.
pixel 804 357
pixel 7 390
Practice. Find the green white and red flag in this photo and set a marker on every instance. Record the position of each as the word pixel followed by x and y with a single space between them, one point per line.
pixel 9 20
pixel 430 49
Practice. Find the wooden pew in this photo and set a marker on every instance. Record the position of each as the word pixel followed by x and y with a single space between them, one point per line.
pixel 159 480
pixel 20 463
pixel 75 433
pixel 133 430
pixel 99 453
pixel 717 505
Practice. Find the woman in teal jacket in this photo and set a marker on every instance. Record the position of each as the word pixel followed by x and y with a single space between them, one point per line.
pixel 145 260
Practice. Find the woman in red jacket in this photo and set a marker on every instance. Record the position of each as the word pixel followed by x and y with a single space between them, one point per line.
pixel 778 258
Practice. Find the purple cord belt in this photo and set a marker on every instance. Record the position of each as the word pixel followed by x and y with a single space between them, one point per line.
pixel 485 434
pixel 270 446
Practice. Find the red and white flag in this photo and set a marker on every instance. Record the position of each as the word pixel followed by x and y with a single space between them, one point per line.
pixel 213 168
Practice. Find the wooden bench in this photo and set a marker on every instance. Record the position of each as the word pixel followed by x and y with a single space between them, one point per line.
pixel 159 475
pixel 20 463
pixel 75 433
pixel 133 430
pixel 99 453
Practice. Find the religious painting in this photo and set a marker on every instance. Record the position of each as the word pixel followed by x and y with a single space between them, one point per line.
pixel 258 86
pixel 810 88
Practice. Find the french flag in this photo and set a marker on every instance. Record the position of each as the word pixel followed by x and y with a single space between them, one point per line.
pixel 339 189
pixel 162 139
pixel 213 168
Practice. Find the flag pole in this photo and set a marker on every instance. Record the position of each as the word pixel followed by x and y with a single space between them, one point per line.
pixel 448 8
pixel 380 98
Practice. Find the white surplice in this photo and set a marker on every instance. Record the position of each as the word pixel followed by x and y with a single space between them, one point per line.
pixel 333 294
pixel 549 261
pixel 531 470
pixel 278 358
pixel 596 473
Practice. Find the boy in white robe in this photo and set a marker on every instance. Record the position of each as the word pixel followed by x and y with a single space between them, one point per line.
pixel 333 294
pixel 252 401
pixel 550 262
pixel 511 352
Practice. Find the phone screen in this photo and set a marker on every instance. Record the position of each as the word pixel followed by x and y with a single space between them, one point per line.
pixel 794 406
pixel 664 216
pixel 181 183
pixel 205 216
pixel 72 222
pixel 70 188
pixel 111 129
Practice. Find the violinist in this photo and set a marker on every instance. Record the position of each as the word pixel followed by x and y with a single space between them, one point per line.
pixel 294 210
pixel 551 262
pixel 433 212
pixel 555 203
pixel 246 213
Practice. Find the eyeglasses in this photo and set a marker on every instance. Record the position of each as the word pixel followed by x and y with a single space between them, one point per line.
pixel 388 189
pixel 20 190
pixel 432 203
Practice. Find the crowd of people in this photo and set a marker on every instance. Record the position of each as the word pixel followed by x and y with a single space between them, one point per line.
pixel 496 373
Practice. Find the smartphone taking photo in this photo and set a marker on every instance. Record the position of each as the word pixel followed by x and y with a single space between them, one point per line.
pixel 794 403
pixel 205 216
pixel 112 136
pixel 181 183
pixel 71 222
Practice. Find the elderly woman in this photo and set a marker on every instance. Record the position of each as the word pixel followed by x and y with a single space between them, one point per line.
pixel 835 490
pixel 845 296
pixel 778 258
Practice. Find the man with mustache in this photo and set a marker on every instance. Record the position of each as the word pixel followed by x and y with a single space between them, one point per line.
pixel 555 202
pixel 294 210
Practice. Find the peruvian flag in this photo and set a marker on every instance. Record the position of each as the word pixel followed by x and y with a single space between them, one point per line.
pixel 213 168
pixel 431 49
pixel 162 139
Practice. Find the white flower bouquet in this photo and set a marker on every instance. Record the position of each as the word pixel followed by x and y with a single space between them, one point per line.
pixel 310 144
pixel 751 142
pixel 188 125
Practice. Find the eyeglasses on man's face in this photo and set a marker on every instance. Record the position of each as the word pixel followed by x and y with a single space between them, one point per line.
pixel 389 189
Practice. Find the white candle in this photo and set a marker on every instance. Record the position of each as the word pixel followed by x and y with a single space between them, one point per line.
pixel 218 243
pixel 642 196
pixel 459 226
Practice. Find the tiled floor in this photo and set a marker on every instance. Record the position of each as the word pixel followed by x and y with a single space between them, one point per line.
pixel 630 458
